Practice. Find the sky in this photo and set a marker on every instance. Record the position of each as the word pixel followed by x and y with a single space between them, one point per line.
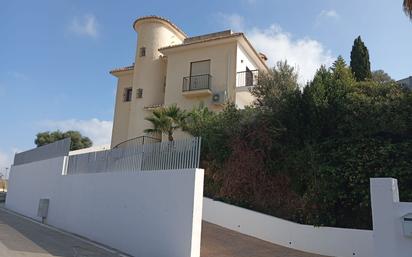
pixel 55 55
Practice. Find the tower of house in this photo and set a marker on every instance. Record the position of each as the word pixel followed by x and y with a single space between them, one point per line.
pixel 142 85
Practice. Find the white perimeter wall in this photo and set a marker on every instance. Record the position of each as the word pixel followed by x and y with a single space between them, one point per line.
pixel 321 240
pixel 147 213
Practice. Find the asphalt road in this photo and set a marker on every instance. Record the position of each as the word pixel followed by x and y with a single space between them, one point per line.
pixel 222 242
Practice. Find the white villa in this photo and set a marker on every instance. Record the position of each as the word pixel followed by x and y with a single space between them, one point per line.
pixel 172 68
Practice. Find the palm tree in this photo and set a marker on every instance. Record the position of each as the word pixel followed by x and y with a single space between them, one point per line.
pixel 407 7
pixel 166 120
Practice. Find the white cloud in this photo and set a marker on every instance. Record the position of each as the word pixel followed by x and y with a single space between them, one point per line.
pixel 328 14
pixel 305 54
pixel 99 131
pixel 234 21
pixel 84 26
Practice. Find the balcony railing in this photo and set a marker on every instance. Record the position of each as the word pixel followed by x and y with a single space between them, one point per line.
pixel 197 82
pixel 247 78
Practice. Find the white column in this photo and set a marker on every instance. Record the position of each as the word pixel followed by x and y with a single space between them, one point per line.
pixel 386 223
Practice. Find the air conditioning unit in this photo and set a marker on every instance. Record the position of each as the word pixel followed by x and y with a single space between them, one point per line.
pixel 220 97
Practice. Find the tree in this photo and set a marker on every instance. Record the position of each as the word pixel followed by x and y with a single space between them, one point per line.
pixel 197 119
pixel 166 121
pixel 381 77
pixel 324 100
pixel 359 60
pixel 274 85
pixel 278 94
pixel 77 140
pixel 407 7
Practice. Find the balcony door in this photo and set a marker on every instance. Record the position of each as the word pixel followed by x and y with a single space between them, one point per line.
pixel 249 77
pixel 199 75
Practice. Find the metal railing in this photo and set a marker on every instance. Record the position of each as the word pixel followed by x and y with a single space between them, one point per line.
pixel 137 141
pixel 56 149
pixel 248 78
pixel 197 82
pixel 181 154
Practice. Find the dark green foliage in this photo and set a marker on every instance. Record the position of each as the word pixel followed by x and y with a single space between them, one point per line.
pixel 339 192
pixel 77 140
pixel 308 156
pixel 359 60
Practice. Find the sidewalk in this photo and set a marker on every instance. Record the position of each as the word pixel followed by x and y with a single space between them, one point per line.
pixel 21 237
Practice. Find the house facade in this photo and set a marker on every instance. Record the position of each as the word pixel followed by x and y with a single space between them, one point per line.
pixel 406 82
pixel 172 68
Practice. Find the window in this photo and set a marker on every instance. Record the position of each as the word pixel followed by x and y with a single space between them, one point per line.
pixel 127 94
pixel 142 51
pixel 200 68
pixel 139 93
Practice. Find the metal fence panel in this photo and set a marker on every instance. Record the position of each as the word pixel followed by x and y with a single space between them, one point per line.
pixel 56 149
pixel 181 154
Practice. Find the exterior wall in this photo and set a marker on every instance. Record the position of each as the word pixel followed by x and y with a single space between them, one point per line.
pixel 406 82
pixel 222 69
pixel 90 149
pixel 243 60
pixel 147 213
pixel 328 241
pixel 387 214
pixel 149 72
pixel 121 110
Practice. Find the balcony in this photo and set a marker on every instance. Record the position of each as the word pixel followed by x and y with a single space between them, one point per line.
pixel 247 79
pixel 198 85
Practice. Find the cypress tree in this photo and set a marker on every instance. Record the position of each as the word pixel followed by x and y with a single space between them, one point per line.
pixel 359 60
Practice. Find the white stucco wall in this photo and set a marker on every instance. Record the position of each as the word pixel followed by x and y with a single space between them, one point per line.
pixel 387 214
pixel 243 60
pixel 148 213
pixel 321 240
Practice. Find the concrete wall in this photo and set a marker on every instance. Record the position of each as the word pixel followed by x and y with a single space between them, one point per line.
pixel 147 213
pixel 387 219
pixel 321 240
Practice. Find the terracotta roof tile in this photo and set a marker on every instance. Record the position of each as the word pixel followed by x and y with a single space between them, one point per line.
pixel 127 68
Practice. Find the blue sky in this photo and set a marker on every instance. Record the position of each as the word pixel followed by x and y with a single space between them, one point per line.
pixel 55 55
